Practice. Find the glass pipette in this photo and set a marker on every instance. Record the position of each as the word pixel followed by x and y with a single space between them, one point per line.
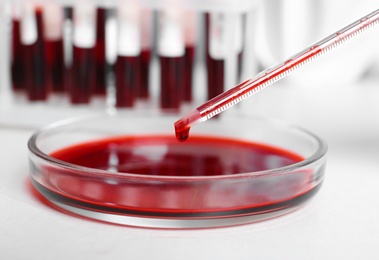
pixel 267 77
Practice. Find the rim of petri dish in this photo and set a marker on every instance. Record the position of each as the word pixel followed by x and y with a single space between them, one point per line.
pixel 169 222
pixel 320 152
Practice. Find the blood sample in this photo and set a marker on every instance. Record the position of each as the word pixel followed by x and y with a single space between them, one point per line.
pixel 127 80
pixel 100 58
pixel 17 63
pixel 171 55
pixel 127 67
pixel 68 47
pixel 219 45
pixel 171 82
pixel 214 62
pixel 83 71
pixel 189 39
pixel 82 75
pixel 189 57
pixel 53 28
pixel 33 52
pixel 143 90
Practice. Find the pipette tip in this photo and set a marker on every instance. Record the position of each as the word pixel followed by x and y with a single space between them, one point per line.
pixel 184 124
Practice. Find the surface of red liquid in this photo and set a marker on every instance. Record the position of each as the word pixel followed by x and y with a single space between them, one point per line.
pixel 127 74
pixel 82 78
pixel 163 155
pixel 54 65
pixel 17 63
pixel 99 52
pixel 143 89
pixel 172 69
pixel 156 156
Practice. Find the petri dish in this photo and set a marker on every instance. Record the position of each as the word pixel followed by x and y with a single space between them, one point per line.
pixel 128 168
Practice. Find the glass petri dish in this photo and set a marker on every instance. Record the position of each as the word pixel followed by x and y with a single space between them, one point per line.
pixel 129 169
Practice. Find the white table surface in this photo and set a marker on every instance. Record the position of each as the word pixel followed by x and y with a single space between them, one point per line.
pixel 340 222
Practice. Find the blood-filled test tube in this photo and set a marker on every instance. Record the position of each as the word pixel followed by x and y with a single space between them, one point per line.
pixel 171 56
pixel 127 71
pixel 215 57
pixel 127 67
pixel 145 56
pixel 17 63
pixel 68 47
pixel 219 45
pixel 33 52
pixel 99 49
pixel 54 57
pixel 81 89
pixel 143 89
pixel 189 39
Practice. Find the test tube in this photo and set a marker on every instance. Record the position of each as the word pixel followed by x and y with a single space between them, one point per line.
pixel 143 90
pixel 189 55
pixel 100 57
pixel 68 47
pixel 33 52
pixel 127 67
pixel 220 43
pixel 171 55
pixel 53 29
pixel 215 56
pixel 17 64
pixel 83 71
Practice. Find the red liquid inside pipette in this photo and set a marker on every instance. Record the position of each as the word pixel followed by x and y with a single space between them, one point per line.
pixel 183 125
pixel 182 130
pixel 269 76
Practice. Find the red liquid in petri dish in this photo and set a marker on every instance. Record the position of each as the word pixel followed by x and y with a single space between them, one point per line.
pixel 54 62
pixel 201 157
pixel 17 63
pixel 82 79
pixel 172 69
pixel 127 74
pixel 99 51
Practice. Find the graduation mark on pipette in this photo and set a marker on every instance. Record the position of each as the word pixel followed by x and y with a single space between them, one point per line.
pixel 267 77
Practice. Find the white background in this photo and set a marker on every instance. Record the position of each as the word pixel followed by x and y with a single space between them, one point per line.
pixel 341 222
